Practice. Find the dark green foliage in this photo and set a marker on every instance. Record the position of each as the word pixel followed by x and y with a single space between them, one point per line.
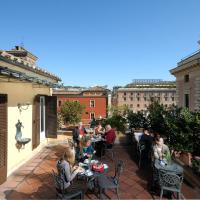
pixel 196 164
pixel 180 127
pixel 156 118
pixel 137 120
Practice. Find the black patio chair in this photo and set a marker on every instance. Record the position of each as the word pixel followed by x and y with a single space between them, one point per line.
pixel 171 182
pixel 61 194
pixel 107 150
pixel 109 182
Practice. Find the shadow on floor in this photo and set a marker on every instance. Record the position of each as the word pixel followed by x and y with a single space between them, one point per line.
pixel 34 187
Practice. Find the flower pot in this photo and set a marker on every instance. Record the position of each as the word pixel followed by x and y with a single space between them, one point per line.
pixel 176 154
pixel 186 158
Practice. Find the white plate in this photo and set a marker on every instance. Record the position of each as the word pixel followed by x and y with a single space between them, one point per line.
pixel 88 173
pixel 86 161
pixel 94 161
pixel 105 166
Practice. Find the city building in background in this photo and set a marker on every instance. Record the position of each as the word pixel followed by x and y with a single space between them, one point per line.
pixel 96 100
pixel 141 92
pixel 27 108
pixel 187 75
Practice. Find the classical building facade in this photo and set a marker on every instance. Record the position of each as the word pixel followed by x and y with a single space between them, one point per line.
pixel 140 93
pixel 95 99
pixel 27 108
pixel 187 75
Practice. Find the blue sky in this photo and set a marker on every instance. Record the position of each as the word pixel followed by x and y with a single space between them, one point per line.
pixel 103 42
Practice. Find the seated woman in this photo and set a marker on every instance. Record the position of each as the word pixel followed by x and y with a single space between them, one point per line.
pixel 87 148
pixel 99 130
pixel 160 150
pixel 68 172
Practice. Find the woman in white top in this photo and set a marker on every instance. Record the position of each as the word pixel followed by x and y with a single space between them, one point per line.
pixel 160 149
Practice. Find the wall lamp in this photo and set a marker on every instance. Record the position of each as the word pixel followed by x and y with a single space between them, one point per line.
pixel 23 106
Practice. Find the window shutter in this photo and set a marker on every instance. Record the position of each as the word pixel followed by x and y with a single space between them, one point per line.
pixel 3 137
pixel 51 116
pixel 36 122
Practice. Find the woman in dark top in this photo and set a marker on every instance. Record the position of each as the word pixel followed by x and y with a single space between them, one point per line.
pixel 147 140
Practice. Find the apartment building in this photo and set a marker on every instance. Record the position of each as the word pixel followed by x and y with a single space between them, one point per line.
pixel 141 92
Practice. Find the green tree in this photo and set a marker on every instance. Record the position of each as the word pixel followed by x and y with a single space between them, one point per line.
pixel 137 120
pixel 72 111
pixel 156 113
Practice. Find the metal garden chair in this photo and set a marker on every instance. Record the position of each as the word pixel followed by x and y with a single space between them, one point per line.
pixel 171 182
pixel 61 194
pixel 107 150
pixel 109 182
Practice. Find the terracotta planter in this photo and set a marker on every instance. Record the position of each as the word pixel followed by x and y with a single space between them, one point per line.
pixel 186 158
pixel 176 154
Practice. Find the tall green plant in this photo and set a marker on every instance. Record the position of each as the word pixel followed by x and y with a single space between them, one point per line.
pixel 195 126
pixel 156 117
pixel 179 129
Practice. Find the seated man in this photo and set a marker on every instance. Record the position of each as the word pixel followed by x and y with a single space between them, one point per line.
pixel 110 136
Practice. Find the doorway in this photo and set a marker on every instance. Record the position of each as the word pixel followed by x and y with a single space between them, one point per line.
pixel 3 137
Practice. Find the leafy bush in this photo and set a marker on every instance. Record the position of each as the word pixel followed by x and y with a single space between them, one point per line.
pixel 137 120
pixel 116 121
pixel 196 165
pixel 178 127
pixel 156 117
pixel 60 120
pixel 71 111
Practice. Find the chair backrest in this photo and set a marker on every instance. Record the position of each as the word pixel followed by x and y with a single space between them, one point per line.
pixel 58 181
pixel 71 143
pixel 119 165
pixel 170 179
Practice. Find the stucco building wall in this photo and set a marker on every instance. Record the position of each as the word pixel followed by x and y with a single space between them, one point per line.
pixel 190 67
pixel 20 92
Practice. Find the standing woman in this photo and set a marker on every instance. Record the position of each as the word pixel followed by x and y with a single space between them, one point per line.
pixel 67 172
pixel 77 134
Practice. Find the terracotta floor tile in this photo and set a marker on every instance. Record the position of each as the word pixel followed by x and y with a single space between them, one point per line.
pixel 11 183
